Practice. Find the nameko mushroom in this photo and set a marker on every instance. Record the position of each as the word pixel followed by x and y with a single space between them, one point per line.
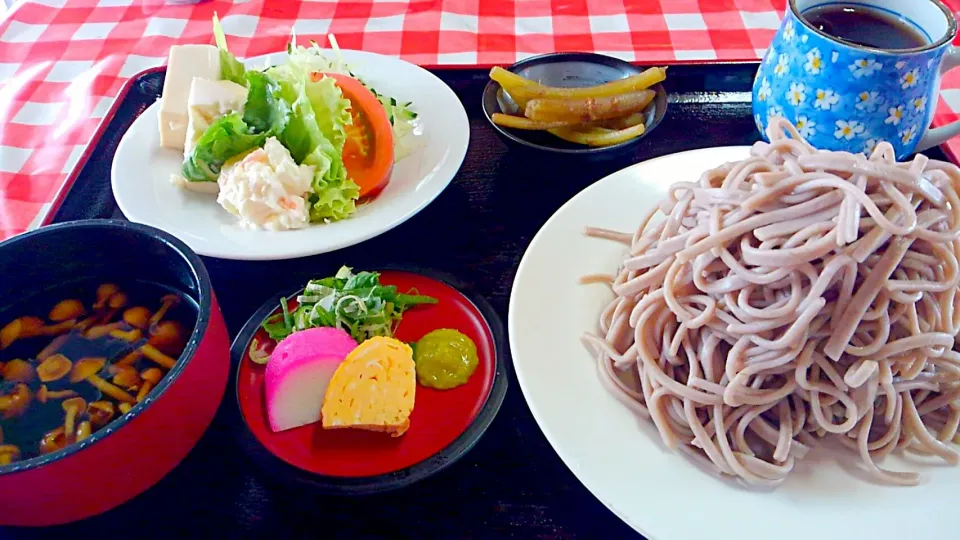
pixel 72 407
pixel 28 327
pixel 19 371
pixel 126 377
pixel 117 301
pixel 84 430
pixel 54 368
pixel 127 335
pixel 158 357
pixel 129 359
pixel 86 369
pixel 168 301
pixel 150 376
pixel 21 327
pixel 100 413
pixel 8 454
pixel 66 310
pixel 137 317
pixel 97 332
pixel 104 292
pixel 15 403
pixel 54 440
pixel 168 337
pixel 44 394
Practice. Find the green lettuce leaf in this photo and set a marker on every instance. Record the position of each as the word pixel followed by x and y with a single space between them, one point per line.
pixel 331 108
pixel 231 69
pixel 265 110
pixel 334 195
pixel 227 136
pixel 265 115
pixel 302 134
pixel 306 136
pixel 401 114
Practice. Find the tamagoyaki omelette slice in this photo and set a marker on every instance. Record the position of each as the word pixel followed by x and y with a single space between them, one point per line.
pixel 373 389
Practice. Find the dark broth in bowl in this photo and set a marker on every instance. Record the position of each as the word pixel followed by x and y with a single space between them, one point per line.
pixel 75 358
pixel 863 25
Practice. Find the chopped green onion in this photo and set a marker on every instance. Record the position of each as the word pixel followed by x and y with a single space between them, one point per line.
pixel 287 319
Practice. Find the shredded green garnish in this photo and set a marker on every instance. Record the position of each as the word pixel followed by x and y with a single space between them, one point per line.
pixel 356 303
pixel 401 114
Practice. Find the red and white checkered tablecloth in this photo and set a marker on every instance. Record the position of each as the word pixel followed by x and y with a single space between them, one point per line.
pixel 63 62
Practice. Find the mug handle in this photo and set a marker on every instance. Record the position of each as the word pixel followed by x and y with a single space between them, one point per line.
pixel 937 136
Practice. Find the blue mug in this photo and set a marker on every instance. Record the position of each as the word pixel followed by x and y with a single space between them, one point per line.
pixel 844 96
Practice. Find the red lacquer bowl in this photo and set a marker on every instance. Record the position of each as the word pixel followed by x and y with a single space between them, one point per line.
pixel 444 424
pixel 139 448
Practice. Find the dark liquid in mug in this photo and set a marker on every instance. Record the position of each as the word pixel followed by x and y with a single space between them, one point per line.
pixel 865 26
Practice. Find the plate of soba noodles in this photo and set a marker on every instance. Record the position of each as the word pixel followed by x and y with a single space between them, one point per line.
pixel 753 342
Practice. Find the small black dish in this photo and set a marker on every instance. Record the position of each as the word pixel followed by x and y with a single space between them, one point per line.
pixel 568 70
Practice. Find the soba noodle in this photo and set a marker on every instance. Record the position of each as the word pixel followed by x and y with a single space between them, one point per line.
pixel 790 298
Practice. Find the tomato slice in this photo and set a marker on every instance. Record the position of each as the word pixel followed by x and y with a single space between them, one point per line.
pixel 368 150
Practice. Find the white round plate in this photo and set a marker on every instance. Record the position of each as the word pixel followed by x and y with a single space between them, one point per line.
pixel 619 457
pixel 142 169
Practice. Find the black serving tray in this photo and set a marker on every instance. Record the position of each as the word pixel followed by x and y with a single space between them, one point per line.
pixel 512 484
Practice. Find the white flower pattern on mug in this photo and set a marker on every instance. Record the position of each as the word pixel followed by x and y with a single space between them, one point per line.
pixel 910 78
pixel 868 101
pixel 783 65
pixel 859 97
pixel 908 134
pixel 771 54
pixel 764 91
pixel 825 99
pixel 773 113
pixel 814 63
pixel 864 67
pixel 805 126
pixel 848 129
pixel 797 94
pixel 788 31
pixel 895 115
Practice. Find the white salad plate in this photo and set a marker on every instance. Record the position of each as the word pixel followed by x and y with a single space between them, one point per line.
pixel 619 457
pixel 142 169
